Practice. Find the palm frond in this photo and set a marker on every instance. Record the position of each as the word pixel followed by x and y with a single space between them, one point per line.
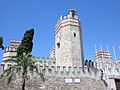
pixel 8 73
pixel 39 72
pixel 42 77
pixel 10 78
pixel 5 72
pixel 24 64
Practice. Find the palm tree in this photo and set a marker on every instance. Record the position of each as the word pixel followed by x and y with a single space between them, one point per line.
pixel 24 63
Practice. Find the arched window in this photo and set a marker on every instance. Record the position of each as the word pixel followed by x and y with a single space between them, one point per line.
pixel 58 45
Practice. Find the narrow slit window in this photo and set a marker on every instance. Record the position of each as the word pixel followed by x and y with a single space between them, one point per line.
pixel 74 34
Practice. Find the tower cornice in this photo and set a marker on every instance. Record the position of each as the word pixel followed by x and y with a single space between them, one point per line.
pixel 66 22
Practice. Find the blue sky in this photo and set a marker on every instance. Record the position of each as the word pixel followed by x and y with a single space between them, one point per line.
pixel 100 20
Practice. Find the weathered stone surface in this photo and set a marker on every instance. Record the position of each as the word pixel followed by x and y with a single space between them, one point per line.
pixel 68 42
pixel 54 83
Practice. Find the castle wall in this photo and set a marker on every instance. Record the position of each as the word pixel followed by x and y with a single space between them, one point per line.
pixel 55 83
pixel 111 71
pixel 9 55
pixel 59 79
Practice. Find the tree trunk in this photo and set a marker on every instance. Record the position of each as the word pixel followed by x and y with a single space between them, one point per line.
pixel 23 84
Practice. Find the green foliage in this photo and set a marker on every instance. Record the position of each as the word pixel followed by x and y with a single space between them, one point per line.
pixel 24 64
pixel 1 42
pixel 26 43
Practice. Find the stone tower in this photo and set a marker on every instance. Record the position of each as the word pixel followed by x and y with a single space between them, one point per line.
pixel 10 52
pixel 68 41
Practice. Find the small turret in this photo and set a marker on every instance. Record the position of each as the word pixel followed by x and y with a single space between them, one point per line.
pixel 72 13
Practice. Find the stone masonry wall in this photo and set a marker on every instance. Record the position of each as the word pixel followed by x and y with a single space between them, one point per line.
pixel 54 83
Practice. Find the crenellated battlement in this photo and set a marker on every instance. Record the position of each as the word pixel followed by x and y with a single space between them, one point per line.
pixel 49 68
pixel 9 49
pixel 64 71
pixel 44 61
pixel 71 71
pixel 70 19
pixel 110 68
